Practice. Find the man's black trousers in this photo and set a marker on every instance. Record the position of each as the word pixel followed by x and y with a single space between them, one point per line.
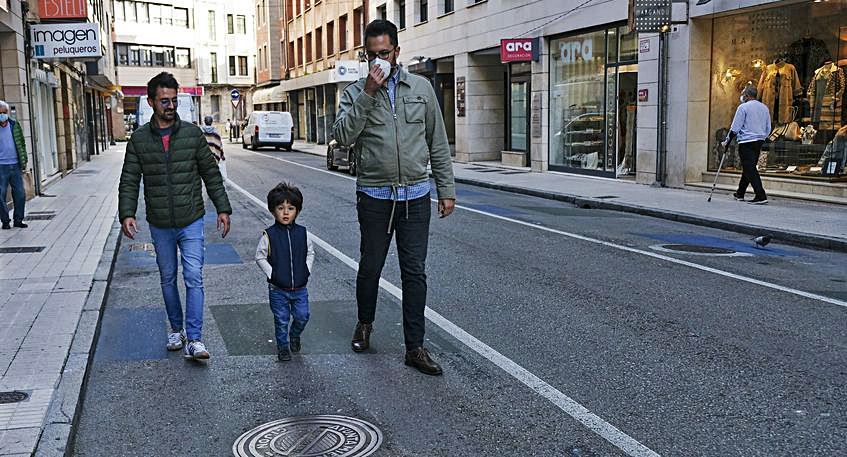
pixel 749 154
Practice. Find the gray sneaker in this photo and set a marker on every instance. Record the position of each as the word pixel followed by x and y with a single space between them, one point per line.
pixel 196 350
pixel 176 340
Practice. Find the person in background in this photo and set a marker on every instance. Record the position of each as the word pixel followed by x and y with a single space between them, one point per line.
pixel 751 125
pixel 13 161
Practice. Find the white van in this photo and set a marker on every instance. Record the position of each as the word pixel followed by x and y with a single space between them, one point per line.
pixel 268 128
pixel 185 109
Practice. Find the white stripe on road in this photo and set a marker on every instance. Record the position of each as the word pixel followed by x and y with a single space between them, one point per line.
pixel 592 421
pixel 654 255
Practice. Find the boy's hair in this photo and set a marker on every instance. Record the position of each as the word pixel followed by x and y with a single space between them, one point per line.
pixel 380 27
pixel 285 192
pixel 163 79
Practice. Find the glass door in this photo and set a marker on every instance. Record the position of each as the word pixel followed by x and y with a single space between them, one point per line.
pixel 518 114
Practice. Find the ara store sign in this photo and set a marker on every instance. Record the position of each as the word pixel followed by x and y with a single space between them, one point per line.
pixel 66 41
pixel 519 50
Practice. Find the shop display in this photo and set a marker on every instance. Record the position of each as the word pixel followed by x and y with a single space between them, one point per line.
pixel 796 56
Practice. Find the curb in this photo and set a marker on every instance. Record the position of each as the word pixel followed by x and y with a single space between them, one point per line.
pixel 781 235
pixel 63 415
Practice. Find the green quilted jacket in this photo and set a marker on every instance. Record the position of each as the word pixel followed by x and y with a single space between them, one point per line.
pixel 173 192
pixel 20 144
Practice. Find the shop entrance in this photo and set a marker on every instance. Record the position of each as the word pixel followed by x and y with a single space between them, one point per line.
pixel 519 90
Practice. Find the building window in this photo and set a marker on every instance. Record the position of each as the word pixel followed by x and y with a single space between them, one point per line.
pixel 152 56
pixel 423 13
pixel 319 43
pixel 155 14
pixel 290 55
pixel 232 69
pixel 289 10
pixel 212 31
pixel 309 47
pixel 119 11
pixel 134 56
pixel 143 12
pixel 358 27
pixel 230 24
pixel 297 7
pixel 401 14
pixel 242 66
pixel 382 12
pixel 241 24
pixel 183 58
pixel 216 108
pixel 342 33
pixel 330 38
pixel 213 58
pixel 121 54
pixel 308 5
pixel 300 51
pixel 448 6
pixel 267 58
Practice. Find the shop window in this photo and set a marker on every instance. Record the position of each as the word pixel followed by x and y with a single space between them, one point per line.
pixel 593 96
pixel 242 66
pixel 796 57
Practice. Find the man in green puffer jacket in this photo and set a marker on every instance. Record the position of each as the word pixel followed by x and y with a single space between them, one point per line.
pixel 174 159
pixel 12 165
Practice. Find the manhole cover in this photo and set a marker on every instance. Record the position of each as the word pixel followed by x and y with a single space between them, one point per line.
pixel 12 397
pixel 310 436
pixel 694 249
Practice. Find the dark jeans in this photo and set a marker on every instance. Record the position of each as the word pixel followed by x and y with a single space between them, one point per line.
pixel 412 235
pixel 749 153
pixel 288 306
pixel 11 175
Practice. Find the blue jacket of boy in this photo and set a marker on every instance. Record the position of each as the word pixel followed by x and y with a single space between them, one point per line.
pixel 287 252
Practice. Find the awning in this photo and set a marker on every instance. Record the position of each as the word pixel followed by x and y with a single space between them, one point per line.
pixel 274 94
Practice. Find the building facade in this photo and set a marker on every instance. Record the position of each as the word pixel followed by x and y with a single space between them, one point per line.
pixel 269 72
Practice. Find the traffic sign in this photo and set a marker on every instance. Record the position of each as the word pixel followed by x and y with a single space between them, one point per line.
pixel 235 94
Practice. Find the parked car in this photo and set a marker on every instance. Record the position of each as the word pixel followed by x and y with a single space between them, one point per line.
pixel 338 155
pixel 268 128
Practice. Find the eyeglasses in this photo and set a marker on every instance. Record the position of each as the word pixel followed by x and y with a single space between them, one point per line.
pixel 384 54
pixel 166 102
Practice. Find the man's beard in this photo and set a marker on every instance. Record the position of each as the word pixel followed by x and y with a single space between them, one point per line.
pixel 167 115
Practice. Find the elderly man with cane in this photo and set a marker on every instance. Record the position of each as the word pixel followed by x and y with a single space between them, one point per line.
pixel 751 125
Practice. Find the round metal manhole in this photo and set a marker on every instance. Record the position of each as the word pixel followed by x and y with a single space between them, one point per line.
pixel 694 249
pixel 12 397
pixel 310 436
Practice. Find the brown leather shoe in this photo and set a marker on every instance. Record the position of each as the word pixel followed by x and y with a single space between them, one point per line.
pixel 420 359
pixel 362 337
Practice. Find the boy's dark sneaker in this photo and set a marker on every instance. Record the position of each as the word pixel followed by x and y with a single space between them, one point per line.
pixel 283 354
pixel 294 343
pixel 6 226
pixel 20 224
pixel 738 197
pixel 759 201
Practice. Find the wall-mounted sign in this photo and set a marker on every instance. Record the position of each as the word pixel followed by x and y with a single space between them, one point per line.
pixel 460 96
pixel 642 95
pixel 535 118
pixel 346 70
pixel 66 41
pixel 574 51
pixel 63 9
pixel 519 50
pixel 651 16
pixel 644 46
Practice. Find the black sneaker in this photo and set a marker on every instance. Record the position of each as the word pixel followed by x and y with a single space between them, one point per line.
pixel 295 343
pixel 6 226
pixel 758 201
pixel 20 224
pixel 284 354
pixel 738 197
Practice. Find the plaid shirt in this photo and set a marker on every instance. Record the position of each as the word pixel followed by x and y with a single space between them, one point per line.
pixel 405 193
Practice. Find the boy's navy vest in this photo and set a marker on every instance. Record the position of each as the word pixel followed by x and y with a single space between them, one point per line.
pixel 287 256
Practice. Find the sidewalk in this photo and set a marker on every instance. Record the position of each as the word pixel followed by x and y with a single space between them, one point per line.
pixel 791 221
pixel 53 277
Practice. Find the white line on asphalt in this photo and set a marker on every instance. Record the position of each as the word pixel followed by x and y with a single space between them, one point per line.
pixel 654 255
pixel 590 420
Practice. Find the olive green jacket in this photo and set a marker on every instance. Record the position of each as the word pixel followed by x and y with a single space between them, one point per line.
pixel 393 147
pixel 173 192
pixel 20 143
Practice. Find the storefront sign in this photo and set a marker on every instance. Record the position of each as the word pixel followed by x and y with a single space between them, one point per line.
pixel 651 16
pixel 519 50
pixel 644 46
pixel 460 96
pixel 63 9
pixel 572 51
pixel 642 95
pixel 346 70
pixel 66 41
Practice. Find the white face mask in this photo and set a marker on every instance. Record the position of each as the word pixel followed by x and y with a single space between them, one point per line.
pixel 4 117
pixel 382 64
pixel 741 99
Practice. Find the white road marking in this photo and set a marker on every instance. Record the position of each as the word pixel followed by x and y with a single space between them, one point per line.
pixel 590 420
pixel 727 274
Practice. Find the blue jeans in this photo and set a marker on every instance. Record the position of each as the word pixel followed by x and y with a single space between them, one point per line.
pixel 284 304
pixel 11 175
pixel 191 242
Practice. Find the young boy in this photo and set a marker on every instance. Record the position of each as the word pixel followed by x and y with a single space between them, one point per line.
pixel 285 253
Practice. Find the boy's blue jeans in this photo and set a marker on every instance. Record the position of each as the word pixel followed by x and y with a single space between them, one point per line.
pixel 191 242
pixel 286 304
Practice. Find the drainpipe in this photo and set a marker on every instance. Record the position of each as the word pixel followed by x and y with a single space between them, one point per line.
pixel 662 116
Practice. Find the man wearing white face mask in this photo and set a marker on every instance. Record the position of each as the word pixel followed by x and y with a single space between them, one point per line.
pixel 752 124
pixel 12 163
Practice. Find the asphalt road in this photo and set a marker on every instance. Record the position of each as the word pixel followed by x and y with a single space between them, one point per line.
pixel 672 354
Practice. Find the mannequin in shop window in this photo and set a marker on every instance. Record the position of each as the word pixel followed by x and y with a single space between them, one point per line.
pixel 826 90
pixel 778 86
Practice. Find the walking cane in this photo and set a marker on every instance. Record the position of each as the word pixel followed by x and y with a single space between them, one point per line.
pixel 723 157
